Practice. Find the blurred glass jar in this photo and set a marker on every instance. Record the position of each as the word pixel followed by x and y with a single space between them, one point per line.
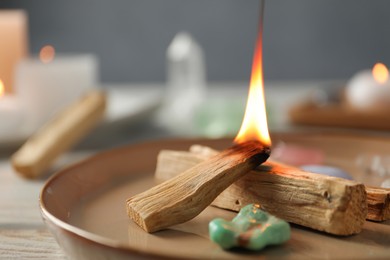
pixel 374 169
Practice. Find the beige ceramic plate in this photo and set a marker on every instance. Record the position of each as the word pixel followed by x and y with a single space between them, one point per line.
pixel 84 207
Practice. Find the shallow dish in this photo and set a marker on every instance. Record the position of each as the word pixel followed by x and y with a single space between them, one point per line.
pixel 84 207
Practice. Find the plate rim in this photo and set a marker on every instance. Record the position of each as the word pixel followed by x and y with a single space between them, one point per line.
pixel 81 233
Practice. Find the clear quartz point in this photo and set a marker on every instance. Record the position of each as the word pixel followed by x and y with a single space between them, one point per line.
pixel 186 84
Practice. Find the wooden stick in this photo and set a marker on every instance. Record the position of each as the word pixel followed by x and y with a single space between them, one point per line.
pixel 189 193
pixel 328 204
pixel 339 115
pixel 378 199
pixel 37 154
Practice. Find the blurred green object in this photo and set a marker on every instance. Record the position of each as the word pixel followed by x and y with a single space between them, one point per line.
pixel 220 117
pixel 252 229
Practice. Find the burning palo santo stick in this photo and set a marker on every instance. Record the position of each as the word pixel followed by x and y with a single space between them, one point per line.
pixel 37 154
pixel 186 195
pixel 329 204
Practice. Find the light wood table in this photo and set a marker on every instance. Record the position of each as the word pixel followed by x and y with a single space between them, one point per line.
pixel 22 232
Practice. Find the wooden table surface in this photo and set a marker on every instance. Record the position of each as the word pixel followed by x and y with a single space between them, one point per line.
pixel 22 231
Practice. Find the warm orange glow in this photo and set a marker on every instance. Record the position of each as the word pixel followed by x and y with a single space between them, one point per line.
pixel 47 54
pixel 380 73
pixel 2 88
pixel 254 125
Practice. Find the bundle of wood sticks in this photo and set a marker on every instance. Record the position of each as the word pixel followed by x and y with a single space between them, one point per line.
pixel 333 205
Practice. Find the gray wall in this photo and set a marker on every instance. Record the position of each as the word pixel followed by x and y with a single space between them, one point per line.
pixel 303 39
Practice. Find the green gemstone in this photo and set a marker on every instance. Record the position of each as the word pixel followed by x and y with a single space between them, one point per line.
pixel 252 228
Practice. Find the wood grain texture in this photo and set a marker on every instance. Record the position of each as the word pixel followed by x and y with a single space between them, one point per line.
pixel 189 193
pixel 378 200
pixel 26 243
pixel 59 135
pixel 328 204
pixel 23 235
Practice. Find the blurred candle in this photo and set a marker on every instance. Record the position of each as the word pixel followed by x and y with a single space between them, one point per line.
pixel 370 90
pixel 51 82
pixel 11 115
pixel 13 44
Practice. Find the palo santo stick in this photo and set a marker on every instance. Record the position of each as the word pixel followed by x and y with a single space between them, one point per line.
pixel 378 200
pixel 66 129
pixel 328 204
pixel 189 193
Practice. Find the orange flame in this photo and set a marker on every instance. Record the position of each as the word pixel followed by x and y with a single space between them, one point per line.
pixel 47 54
pixel 2 88
pixel 254 125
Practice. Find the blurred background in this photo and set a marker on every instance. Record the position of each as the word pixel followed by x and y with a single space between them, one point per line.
pixel 303 39
pixel 81 76
pixel 184 66
pixel 78 77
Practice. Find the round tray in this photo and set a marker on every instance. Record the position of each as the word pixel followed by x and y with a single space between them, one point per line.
pixel 84 207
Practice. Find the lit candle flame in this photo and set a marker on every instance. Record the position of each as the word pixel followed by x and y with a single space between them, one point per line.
pixel 47 54
pixel 254 125
pixel 2 88
pixel 380 73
